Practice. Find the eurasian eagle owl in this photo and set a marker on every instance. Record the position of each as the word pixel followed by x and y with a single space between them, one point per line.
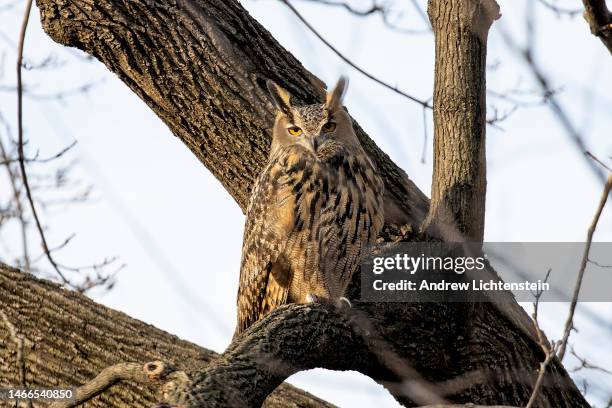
pixel 313 209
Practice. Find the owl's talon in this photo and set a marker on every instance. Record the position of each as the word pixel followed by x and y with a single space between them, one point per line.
pixel 343 303
pixel 311 298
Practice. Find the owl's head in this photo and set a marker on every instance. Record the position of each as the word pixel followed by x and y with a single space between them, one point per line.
pixel 311 126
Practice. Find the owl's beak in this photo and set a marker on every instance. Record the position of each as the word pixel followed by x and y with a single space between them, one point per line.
pixel 318 141
pixel 315 143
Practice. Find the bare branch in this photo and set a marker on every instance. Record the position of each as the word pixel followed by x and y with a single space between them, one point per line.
pixel 500 117
pixel 6 160
pixel 526 53
pixel 584 364
pixel 423 103
pixel 569 324
pixel 518 97
pixel 549 351
pixel 61 95
pixel 375 8
pixel 89 283
pixel 596 159
pixel 379 9
pixel 24 175
pixel 559 10
pixel 541 373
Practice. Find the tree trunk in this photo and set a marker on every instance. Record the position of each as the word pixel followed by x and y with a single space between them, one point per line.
pixel 201 65
pixel 458 189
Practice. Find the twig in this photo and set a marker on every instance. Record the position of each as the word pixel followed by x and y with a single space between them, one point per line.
pixel 110 376
pixel 602 164
pixel 599 264
pixel 22 160
pixel 351 63
pixel 526 53
pixel 374 8
pixel 585 364
pixel 559 10
pixel 24 176
pixel 507 96
pixel 549 351
pixel 36 159
pixel 19 341
pixel 57 248
pixel 585 257
pixel 424 103
pixel 497 117
pixel 381 10
pixel 61 95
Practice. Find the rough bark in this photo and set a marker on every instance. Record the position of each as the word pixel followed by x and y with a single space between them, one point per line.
pixel 70 339
pixel 458 188
pixel 598 16
pixel 201 66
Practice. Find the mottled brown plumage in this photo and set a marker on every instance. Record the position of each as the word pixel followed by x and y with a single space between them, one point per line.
pixel 313 209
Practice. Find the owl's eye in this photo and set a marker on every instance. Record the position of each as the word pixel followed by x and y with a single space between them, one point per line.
pixel 329 127
pixel 295 131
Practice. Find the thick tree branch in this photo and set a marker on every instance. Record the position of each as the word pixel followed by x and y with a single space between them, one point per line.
pixel 111 376
pixel 459 178
pixel 300 337
pixel 598 16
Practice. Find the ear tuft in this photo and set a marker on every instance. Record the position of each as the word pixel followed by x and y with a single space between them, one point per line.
pixel 334 98
pixel 280 96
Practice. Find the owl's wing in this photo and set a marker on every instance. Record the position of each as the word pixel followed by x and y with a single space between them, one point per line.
pixel 263 282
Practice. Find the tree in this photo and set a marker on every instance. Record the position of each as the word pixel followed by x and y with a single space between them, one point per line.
pixel 201 66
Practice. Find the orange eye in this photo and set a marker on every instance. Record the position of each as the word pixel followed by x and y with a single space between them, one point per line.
pixel 329 127
pixel 295 131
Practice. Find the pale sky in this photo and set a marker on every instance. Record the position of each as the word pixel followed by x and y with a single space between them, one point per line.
pixel 179 232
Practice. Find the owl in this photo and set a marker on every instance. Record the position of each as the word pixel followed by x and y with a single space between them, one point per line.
pixel 313 210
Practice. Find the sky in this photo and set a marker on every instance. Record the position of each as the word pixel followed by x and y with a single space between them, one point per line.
pixel 157 208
